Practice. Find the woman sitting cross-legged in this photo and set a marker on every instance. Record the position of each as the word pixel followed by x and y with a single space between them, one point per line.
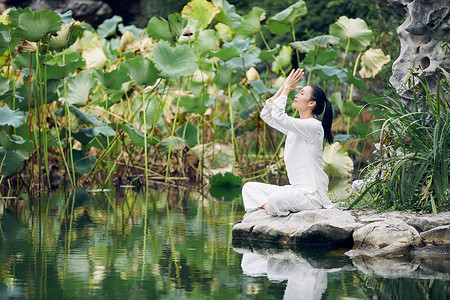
pixel 308 183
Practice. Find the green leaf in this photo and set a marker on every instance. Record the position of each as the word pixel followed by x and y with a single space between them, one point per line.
pixel 356 81
pixel 337 163
pixel 336 99
pixel 311 44
pixel 83 164
pixel 244 62
pixel 195 104
pixel 137 139
pixel 84 118
pixel 227 180
pixel 201 10
pixel 174 62
pixel 352 31
pixel 33 26
pixel 142 70
pixel 226 53
pixel 268 54
pixel 78 88
pixel 224 32
pixel 176 25
pixel 251 23
pixel 221 193
pixel 15 142
pixel 59 70
pixel 158 29
pixel 342 137
pixel 330 72
pixel 4 87
pixel 320 58
pixel 13 118
pixel 352 110
pixel 361 129
pixel 227 14
pixel 172 143
pixel 85 135
pixel 10 161
pixel 281 22
pixel 15 13
pixel 116 79
pixel 189 132
pixel 259 86
pixel 206 41
pixel 372 61
pixel 108 27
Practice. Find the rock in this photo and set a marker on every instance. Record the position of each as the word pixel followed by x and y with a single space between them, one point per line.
pixel 428 221
pixel 389 238
pixel 437 236
pixel 421 48
pixel 327 227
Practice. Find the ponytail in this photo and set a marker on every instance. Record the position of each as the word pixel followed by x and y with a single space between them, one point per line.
pixel 323 105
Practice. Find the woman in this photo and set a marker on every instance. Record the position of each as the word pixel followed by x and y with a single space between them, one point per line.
pixel 308 187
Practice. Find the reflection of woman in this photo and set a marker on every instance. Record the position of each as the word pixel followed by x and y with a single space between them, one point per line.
pixel 308 187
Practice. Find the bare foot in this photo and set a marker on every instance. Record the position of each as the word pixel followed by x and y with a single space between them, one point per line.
pixel 266 209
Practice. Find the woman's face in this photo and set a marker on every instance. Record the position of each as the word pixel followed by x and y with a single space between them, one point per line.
pixel 302 101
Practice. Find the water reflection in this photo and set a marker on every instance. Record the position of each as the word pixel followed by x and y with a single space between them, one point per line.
pixel 173 244
pixel 302 278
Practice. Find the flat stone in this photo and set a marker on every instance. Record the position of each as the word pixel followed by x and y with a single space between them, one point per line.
pixel 328 227
pixel 437 236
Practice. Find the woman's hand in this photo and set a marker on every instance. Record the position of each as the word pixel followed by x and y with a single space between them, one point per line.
pixel 292 80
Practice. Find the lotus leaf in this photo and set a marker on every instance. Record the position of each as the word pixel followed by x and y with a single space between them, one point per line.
pixel 372 61
pixel 268 54
pixel 10 161
pixel 206 41
pixel 136 137
pixel 4 86
pixel 172 143
pixel 224 77
pixel 201 10
pixel 92 51
pixel 142 70
pixel 251 23
pixel 58 70
pixel 33 26
pixel 195 104
pixel 336 99
pixel 352 110
pixel 158 29
pixel 154 110
pixel 245 62
pixel 115 80
pixel 15 13
pixel 342 137
pixel 226 53
pixel 224 32
pixel 189 132
pixel 176 25
pixel 78 89
pixel 281 22
pixel 84 118
pixel 321 58
pixel 137 32
pixel 352 31
pixel 82 164
pixel 15 142
pixel 227 14
pixel 259 86
pixel 62 37
pixel 174 62
pixel 13 118
pixel 108 27
pixel 221 193
pixel 337 163
pixel 330 72
pixel 361 129
pixel 356 81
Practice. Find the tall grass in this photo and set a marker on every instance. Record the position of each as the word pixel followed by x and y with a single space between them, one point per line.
pixel 412 170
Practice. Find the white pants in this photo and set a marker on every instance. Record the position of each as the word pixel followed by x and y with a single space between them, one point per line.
pixel 281 200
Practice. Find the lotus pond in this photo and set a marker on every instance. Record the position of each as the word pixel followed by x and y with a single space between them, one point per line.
pixel 177 244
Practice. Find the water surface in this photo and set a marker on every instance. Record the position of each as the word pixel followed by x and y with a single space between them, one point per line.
pixel 177 244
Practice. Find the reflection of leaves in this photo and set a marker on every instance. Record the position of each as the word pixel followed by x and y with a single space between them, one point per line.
pixel 225 194
pixel 227 180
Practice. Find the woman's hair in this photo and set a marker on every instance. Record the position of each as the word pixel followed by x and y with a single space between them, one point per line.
pixel 318 95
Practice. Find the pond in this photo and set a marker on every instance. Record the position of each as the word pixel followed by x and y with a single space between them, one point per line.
pixel 176 244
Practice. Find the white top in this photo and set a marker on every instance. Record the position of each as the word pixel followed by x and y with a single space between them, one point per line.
pixel 303 150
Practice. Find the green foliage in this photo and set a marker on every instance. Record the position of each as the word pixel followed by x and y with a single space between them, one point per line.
pixel 227 180
pixel 412 168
